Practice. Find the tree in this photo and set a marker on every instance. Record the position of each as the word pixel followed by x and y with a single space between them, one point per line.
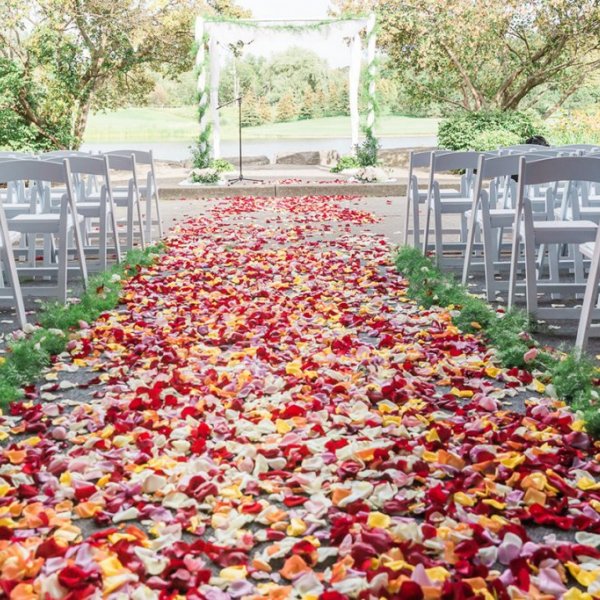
pixel 250 114
pixel 287 109
pixel 60 59
pixel 308 107
pixel 295 69
pixel 489 54
pixel 264 111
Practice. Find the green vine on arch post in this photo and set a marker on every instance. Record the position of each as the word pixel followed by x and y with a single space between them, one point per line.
pixel 201 152
pixel 370 145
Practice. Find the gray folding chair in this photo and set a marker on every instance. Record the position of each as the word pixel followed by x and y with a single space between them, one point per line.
pixel 492 212
pixel 60 227
pixel 438 205
pixel 149 191
pixel 127 197
pixel 84 167
pixel 10 287
pixel 551 233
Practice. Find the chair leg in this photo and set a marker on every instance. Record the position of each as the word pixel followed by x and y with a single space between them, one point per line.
pixel 115 232
pixel 13 281
pixel 469 248
pixel 553 267
pixel 102 242
pixel 577 264
pixel 80 252
pixel 489 252
pixel 130 225
pixel 149 215
pixel 416 222
pixel 589 302
pixel 439 246
pixel 62 267
pixel 158 215
pixel 407 217
pixel 514 263
pixel 530 275
pixel 140 221
pixel 427 225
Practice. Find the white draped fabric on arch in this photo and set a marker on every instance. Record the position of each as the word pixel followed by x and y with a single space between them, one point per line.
pixel 214 35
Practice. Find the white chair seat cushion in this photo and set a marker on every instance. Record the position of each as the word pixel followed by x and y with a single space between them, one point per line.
pixel 499 217
pixel 40 223
pixel 455 205
pixel 12 210
pixel 14 237
pixel 589 213
pixel 88 209
pixel 563 232
pixel 587 249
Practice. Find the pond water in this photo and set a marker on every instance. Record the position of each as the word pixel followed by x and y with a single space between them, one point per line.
pixel 177 151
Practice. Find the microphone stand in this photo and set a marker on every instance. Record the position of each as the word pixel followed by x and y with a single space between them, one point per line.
pixel 240 178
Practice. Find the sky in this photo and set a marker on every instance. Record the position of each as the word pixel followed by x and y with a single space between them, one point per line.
pixel 332 49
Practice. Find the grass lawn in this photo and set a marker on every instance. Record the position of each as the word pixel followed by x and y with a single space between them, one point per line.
pixel 179 124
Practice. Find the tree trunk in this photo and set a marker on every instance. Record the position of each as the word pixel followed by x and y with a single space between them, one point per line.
pixel 27 112
pixel 81 118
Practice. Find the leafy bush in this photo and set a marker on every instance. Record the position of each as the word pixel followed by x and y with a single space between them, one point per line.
pixel 366 153
pixel 578 127
pixel 345 162
pixel 494 139
pixel 460 131
pixel 206 176
pixel 572 378
pixel 220 165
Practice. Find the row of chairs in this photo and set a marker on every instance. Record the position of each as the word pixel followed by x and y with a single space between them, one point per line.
pixel 58 216
pixel 527 216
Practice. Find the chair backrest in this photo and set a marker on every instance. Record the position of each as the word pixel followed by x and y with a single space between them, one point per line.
pixel 121 162
pixel 420 159
pixel 37 170
pixel 142 157
pixel 63 154
pixel 523 148
pixel 564 168
pixel 585 147
pixel 86 165
pixel 454 161
pixel 15 155
pixel 503 166
pixel 550 152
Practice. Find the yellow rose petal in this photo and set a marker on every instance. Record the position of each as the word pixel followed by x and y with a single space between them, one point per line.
pixel 236 573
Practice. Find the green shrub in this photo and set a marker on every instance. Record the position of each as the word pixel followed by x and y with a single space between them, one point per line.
pixel 591 416
pixel 220 165
pixel 207 177
pixel 572 378
pixel 460 131
pixel 345 162
pixel 367 152
pixel 494 139
pixel 577 127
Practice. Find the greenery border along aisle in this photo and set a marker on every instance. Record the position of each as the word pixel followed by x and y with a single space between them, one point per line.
pixel 27 357
pixel 570 376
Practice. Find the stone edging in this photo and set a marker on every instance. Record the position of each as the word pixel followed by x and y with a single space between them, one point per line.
pixel 281 190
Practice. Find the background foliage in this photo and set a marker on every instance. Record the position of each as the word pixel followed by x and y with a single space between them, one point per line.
pixel 61 59
pixel 482 130
pixel 489 54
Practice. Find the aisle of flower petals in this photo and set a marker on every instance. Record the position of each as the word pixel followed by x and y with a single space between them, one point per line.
pixel 273 419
